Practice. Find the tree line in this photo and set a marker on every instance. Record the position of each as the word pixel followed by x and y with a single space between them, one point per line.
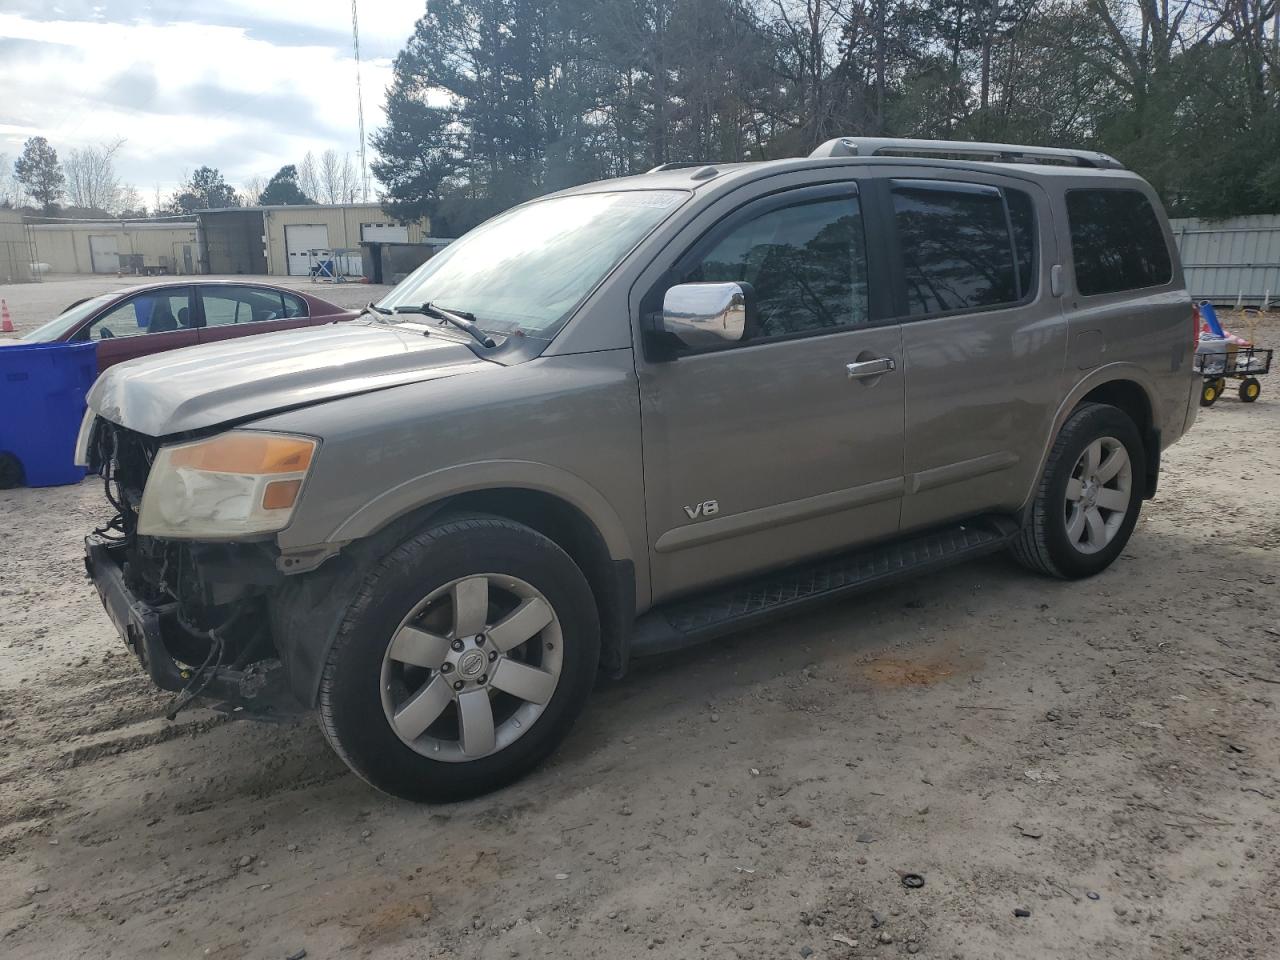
pixel 496 101
pixel 39 182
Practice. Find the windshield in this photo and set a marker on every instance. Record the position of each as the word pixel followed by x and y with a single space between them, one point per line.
pixel 524 271
pixel 67 320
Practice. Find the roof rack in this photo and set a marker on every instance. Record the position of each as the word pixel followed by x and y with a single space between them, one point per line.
pixel 678 165
pixel 963 150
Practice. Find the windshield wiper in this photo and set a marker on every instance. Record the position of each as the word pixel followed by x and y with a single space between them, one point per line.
pixel 372 307
pixel 461 320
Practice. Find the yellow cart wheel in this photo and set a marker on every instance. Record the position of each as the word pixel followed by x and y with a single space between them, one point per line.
pixel 1249 389
pixel 1209 393
pixel 1222 385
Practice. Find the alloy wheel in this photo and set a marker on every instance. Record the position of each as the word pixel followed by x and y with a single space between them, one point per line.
pixel 472 667
pixel 1098 495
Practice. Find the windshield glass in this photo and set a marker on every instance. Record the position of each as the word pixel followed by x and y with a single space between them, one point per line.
pixel 65 321
pixel 524 271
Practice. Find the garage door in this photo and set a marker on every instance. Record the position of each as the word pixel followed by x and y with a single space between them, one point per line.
pixel 385 232
pixel 103 254
pixel 299 240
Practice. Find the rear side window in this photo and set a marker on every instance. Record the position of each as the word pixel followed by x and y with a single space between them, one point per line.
pixel 294 306
pixel 1116 241
pixel 958 245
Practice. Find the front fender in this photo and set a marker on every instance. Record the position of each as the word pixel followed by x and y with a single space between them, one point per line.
pixel 488 475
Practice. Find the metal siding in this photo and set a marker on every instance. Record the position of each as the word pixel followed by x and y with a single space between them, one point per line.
pixel 1229 260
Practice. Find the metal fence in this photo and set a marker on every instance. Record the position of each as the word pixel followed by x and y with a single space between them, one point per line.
pixel 1231 262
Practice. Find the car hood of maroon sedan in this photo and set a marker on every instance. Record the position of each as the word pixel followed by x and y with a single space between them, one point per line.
pixel 237 380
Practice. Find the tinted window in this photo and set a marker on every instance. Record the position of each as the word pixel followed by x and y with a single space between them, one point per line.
pixel 956 248
pixel 294 306
pixel 1116 241
pixel 1022 217
pixel 227 305
pixel 806 263
pixel 161 312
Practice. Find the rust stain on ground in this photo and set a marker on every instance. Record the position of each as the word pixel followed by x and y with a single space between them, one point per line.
pixel 902 672
pixel 390 921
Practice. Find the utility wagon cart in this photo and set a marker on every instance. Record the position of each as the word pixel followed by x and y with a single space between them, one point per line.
pixel 1245 364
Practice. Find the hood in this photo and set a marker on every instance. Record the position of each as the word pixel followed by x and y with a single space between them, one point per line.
pixel 250 377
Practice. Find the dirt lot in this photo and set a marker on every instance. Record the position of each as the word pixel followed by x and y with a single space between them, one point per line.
pixel 1102 754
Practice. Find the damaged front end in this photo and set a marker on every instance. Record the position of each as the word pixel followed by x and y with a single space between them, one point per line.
pixel 196 614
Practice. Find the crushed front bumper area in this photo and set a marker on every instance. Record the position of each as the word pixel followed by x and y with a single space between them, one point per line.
pixel 144 627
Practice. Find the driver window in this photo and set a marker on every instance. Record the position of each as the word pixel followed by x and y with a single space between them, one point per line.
pixel 159 312
pixel 807 264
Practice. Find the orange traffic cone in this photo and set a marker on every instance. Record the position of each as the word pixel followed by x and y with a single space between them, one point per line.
pixel 6 324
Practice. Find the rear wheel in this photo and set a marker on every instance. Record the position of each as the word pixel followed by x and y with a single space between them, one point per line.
pixel 1089 496
pixel 1209 393
pixel 463 661
pixel 1250 389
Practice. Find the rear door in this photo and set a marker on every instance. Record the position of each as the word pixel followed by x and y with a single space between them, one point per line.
pixel 768 451
pixel 146 323
pixel 242 310
pixel 983 339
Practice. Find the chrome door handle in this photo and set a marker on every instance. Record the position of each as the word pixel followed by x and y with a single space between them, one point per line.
pixel 870 368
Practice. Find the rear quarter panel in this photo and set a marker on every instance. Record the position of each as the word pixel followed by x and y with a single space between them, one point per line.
pixel 1145 335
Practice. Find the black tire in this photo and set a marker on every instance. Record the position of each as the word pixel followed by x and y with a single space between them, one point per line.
pixel 11 473
pixel 1043 544
pixel 350 703
pixel 1209 393
pixel 1250 389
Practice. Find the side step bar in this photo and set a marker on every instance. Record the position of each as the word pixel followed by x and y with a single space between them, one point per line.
pixel 736 606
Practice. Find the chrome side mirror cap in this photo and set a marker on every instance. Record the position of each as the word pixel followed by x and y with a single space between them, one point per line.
pixel 706 314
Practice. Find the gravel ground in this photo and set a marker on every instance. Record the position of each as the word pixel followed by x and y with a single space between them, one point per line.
pixel 1102 754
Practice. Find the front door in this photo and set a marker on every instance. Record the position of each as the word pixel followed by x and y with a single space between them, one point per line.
pixel 144 324
pixel 771 450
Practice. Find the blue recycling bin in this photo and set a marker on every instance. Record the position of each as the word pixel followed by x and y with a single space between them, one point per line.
pixel 42 390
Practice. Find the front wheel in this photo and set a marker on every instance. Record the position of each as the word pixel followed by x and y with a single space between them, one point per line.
pixel 1250 389
pixel 1089 496
pixel 463 661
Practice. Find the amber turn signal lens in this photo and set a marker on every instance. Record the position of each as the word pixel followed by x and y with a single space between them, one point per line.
pixel 247 453
pixel 280 494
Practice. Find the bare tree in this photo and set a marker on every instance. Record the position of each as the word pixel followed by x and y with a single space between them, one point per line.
pixel 128 202
pixel 308 177
pixel 251 189
pixel 11 193
pixel 338 180
pixel 91 176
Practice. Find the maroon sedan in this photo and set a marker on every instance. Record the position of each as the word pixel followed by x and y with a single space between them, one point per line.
pixel 154 317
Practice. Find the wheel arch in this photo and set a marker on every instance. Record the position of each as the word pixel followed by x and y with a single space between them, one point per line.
pixel 1125 386
pixel 314 600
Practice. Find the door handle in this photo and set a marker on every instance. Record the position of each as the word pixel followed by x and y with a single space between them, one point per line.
pixel 870 368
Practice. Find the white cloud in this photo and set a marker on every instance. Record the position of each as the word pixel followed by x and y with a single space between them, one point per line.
pixel 245 98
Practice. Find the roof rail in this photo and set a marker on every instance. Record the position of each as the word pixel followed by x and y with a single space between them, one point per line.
pixel 678 165
pixel 964 150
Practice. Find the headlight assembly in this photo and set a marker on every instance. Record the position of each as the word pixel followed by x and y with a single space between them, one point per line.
pixel 238 483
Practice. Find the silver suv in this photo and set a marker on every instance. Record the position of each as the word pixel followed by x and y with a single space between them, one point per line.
pixel 634 415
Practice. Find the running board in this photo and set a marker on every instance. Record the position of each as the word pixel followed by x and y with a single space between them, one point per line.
pixel 736 606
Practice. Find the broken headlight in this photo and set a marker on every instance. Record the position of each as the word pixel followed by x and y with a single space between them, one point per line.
pixel 238 483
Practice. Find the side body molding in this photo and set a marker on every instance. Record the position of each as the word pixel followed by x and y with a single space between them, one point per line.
pixel 488 475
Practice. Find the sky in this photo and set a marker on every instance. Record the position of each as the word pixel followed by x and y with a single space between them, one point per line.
pixel 242 85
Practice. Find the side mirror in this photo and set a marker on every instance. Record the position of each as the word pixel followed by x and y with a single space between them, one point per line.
pixel 706 314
